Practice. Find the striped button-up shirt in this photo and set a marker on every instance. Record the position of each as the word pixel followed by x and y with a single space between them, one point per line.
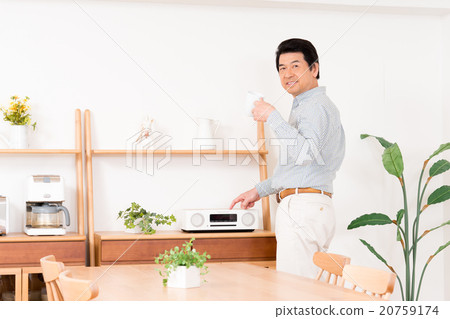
pixel 312 144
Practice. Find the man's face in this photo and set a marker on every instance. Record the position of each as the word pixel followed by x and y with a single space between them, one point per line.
pixel 295 75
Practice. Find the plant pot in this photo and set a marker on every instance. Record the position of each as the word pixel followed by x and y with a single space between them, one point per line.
pixel 184 277
pixel 17 137
pixel 136 229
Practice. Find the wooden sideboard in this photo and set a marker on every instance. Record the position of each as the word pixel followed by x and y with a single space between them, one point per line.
pixel 21 250
pixel 123 248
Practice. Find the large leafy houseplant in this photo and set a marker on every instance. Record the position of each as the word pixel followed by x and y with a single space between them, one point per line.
pixel 187 257
pixel 408 238
pixel 136 216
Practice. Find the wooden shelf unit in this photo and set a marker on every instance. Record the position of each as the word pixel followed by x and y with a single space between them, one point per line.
pixel 26 271
pixel 103 237
pixel 39 151
pixel 17 273
pixel 259 245
pixel 19 249
pixel 24 238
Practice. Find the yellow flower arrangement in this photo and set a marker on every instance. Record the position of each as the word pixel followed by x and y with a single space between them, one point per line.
pixel 17 113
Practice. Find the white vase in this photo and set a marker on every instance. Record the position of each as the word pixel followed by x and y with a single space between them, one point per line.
pixel 136 229
pixel 184 277
pixel 17 137
pixel 205 134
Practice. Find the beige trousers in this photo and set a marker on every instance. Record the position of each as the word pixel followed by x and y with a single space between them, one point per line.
pixel 305 224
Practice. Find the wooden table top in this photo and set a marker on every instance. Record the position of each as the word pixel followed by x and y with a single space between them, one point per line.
pixel 232 281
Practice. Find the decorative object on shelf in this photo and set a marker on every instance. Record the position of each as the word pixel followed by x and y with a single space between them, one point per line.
pixel 44 209
pixel 19 118
pixel 182 267
pixel 393 163
pixel 4 215
pixel 147 128
pixel 135 215
pixel 205 134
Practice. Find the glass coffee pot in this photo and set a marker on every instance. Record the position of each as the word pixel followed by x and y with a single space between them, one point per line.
pixel 46 215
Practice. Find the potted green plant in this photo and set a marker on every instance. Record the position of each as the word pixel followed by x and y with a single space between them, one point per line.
pixel 137 219
pixel 183 267
pixel 18 116
pixel 407 237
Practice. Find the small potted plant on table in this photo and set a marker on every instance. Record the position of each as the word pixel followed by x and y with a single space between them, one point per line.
pixel 183 267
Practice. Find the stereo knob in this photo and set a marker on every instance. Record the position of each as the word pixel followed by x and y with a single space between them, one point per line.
pixel 197 220
pixel 248 219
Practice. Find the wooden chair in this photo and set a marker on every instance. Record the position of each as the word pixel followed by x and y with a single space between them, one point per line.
pixel 332 264
pixel 373 281
pixel 77 289
pixel 51 270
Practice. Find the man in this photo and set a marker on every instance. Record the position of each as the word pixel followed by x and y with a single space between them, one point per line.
pixel 314 141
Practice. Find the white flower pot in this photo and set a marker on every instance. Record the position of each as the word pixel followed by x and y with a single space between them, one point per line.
pixel 136 229
pixel 17 137
pixel 184 277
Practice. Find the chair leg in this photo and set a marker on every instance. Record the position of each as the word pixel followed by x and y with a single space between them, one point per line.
pixel 319 274
pixel 50 296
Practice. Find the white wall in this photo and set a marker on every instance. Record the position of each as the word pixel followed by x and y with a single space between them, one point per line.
pixel 445 117
pixel 384 75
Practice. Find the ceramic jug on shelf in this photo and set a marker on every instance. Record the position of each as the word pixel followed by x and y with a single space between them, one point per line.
pixel 17 137
pixel 206 130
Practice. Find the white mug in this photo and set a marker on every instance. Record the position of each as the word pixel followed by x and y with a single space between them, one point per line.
pixel 252 97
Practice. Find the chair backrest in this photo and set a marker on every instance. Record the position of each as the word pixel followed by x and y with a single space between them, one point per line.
pixel 330 264
pixel 77 289
pixel 50 271
pixel 373 281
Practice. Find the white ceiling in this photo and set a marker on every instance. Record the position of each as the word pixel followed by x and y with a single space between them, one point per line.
pixel 427 7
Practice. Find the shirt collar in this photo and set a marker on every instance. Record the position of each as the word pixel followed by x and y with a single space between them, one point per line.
pixel 310 93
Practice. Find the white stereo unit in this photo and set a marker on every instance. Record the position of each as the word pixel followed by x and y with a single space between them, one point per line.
pixel 213 220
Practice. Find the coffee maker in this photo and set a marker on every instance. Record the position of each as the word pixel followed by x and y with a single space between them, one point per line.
pixel 45 213
pixel 4 215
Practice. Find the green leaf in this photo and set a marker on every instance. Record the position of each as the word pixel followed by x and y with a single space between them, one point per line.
pixel 439 195
pixel 441 149
pixel 382 141
pixel 370 219
pixel 400 214
pixel 373 251
pixel 439 167
pixel 399 235
pixel 441 248
pixel 393 161
pixel 441 225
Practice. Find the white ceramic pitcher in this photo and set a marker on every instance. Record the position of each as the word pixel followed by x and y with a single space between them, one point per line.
pixel 17 137
pixel 206 130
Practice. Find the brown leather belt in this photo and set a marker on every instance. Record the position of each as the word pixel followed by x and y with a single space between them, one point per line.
pixel 292 191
